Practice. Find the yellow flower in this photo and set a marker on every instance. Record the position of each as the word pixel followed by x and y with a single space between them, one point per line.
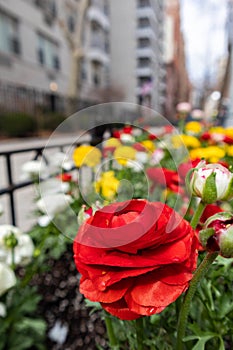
pixel 149 145
pixel 230 151
pixel 107 185
pixel 112 142
pixel 212 153
pixel 86 155
pixel 124 153
pixel 229 131
pixel 187 140
pixel 217 130
pixel 194 127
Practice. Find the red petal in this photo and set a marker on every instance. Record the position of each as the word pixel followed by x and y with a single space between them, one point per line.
pixel 104 274
pixel 175 252
pixel 121 310
pixel 151 291
pixel 108 295
pixel 142 310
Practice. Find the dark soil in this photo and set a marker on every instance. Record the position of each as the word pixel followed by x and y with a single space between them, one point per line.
pixel 61 301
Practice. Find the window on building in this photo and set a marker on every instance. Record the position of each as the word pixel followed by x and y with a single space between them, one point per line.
pixel 48 53
pixel 83 73
pixel 144 80
pixel 9 34
pixel 143 22
pixel 106 8
pixel 96 73
pixel 143 43
pixel 144 3
pixel 71 24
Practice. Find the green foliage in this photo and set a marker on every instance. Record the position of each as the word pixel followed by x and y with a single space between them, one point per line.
pixel 17 125
pixel 50 121
pixel 20 323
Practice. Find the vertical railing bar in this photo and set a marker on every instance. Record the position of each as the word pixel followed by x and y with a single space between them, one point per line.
pixel 11 192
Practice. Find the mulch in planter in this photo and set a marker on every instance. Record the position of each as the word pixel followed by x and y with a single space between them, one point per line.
pixel 70 325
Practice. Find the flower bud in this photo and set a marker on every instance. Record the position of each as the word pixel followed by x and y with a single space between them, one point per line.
pixel 210 182
pixel 217 234
pixel 10 240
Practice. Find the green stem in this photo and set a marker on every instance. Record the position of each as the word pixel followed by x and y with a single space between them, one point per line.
pixel 187 214
pixel 111 335
pixel 198 213
pixel 139 333
pixel 181 124
pixel 199 274
pixel 13 258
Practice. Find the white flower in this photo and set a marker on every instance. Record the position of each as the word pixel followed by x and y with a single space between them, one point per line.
pixel 136 132
pixel 53 186
pixel 59 161
pixel 127 138
pixel 142 157
pixel 23 247
pixel 135 166
pixel 183 107
pixel 157 156
pixel 34 168
pixel 7 278
pixel 54 204
pixel 217 137
pixel 211 182
pixel 44 220
pixel 2 309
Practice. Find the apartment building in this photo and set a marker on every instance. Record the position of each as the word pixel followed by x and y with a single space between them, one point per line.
pixel 178 86
pixel 38 45
pixel 137 51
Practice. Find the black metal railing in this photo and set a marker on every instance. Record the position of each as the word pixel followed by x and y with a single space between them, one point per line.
pixel 12 187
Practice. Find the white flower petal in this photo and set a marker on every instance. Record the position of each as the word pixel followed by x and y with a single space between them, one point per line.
pixel 7 278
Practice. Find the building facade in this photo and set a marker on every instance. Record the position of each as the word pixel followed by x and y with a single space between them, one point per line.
pixel 137 51
pixel 36 52
pixel 178 86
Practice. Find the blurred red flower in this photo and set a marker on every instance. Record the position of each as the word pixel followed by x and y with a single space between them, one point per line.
pixel 65 177
pixel 135 257
pixel 127 129
pixel 165 177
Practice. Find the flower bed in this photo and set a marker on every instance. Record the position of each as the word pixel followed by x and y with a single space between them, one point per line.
pixel 152 217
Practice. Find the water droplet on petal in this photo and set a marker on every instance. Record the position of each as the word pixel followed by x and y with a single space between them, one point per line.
pixel 152 310
pixel 175 260
pixel 102 286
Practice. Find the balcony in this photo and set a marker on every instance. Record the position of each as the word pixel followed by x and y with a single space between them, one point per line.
pixel 145 52
pixel 143 12
pixel 97 54
pixel 95 14
pixel 146 32
pixel 144 71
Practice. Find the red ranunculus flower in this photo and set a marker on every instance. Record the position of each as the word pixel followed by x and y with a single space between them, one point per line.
pixel 228 140
pixel 206 136
pixel 167 178
pixel 127 129
pixel 108 151
pixel 65 177
pixel 210 209
pixel 184 168
pixel 135 257
pixel 116 134
pixel 139 147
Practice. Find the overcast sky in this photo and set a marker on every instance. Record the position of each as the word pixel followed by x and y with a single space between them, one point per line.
pixel 203 23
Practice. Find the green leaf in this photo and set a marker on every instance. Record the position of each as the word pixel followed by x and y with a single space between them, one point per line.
pixel 210 191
